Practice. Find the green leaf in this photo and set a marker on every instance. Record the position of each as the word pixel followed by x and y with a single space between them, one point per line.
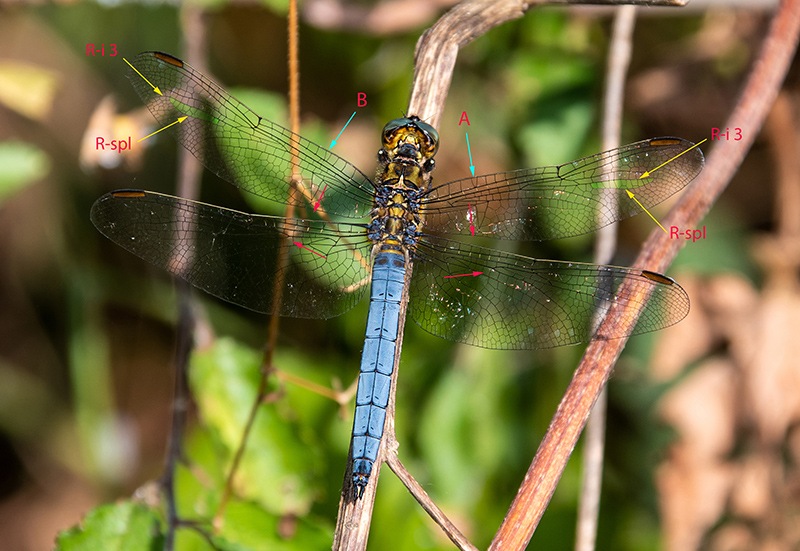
pixel 124 526
pixel 278 468
pixel 251 527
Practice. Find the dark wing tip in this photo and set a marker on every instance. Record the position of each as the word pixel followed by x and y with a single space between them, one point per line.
pixel 658 278
pixel 166 58
pixel 127 193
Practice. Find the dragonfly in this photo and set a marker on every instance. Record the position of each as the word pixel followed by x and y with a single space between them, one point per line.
pixel 356 234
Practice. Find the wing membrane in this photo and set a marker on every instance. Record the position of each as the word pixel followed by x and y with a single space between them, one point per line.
pixel 235 143
pixel 234 256
pixel 572 199
pixel 516 302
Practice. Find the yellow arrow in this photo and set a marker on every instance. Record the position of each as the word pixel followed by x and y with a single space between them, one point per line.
pixel 648 172
pixel 155 88
pixel 630 194
pixel 180 119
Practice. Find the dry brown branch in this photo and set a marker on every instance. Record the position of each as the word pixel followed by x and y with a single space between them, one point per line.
pixel 438 516
pixel 396 16
pixel 438 47
pixel 760 90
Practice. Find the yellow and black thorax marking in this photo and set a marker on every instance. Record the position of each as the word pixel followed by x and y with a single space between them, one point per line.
pixel 404 176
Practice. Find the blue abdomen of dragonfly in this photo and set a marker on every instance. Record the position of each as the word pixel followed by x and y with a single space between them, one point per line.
pixel 406 161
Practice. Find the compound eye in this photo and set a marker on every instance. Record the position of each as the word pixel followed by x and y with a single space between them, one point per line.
pixel 431 135
pixel 430 131
pixel 394 125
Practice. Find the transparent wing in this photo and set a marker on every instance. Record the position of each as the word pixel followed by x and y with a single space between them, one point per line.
pixel 575 198
pixel 500 300
pixel 234 255
pixel 232 141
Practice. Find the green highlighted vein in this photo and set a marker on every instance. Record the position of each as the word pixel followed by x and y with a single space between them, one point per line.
pixel 619 184
pixel 193 111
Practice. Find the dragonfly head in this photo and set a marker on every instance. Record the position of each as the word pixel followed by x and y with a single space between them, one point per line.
pixel 410 138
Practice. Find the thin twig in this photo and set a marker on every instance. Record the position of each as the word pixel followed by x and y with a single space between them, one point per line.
pixel 783 139
pixel 438 47
pixel 779 252
pixel 759 93
pixel 422 497
pixel 282 263
pixel 619 55
pixel 180 409
pixel 189 176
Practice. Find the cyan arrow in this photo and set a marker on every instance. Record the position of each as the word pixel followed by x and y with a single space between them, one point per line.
pixel 469 151
pixel 333 141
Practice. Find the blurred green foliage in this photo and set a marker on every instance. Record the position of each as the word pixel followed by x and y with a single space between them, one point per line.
pixel 22 164
pixel 99 325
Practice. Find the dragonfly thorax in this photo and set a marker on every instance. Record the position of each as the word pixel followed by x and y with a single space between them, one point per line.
pixel 395 217
pixel 404 174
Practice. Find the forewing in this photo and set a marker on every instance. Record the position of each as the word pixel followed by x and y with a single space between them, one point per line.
pixel 572 199
pixel 232 141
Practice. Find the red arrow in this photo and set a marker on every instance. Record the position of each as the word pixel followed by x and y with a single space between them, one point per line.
pixel 321 195
pixel 471 218
pixel 473 274
pixel 301 246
